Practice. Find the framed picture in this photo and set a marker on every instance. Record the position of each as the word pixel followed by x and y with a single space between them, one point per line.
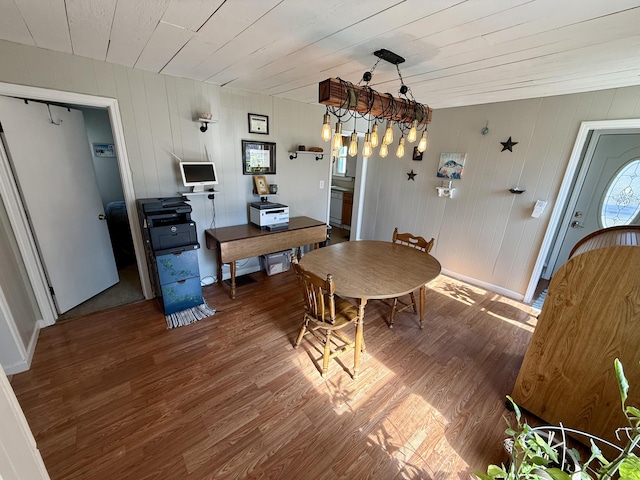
pixel 258 158
pixel 261 185
pixel 417 154
pixel 258 124
pixel 451 165
pixel 103 150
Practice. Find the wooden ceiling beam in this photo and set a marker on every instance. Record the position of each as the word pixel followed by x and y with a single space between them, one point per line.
pixel 334 92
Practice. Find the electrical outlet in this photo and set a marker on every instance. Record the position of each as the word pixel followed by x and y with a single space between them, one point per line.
pixel 321 184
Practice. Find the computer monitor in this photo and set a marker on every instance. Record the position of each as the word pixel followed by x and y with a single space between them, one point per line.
pixel 198 175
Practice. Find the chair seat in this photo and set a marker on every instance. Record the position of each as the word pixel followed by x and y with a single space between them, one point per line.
pixel 345 313
pixel 325 315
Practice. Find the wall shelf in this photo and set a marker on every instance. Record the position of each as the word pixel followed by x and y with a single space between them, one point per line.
pixel 445 191
pixel 197 194
pixel 204 123
pixel 319 155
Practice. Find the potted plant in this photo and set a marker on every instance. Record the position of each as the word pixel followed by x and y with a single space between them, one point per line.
pixel 542 452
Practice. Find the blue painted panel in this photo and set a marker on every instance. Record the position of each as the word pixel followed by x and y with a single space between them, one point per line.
pixel 181 295
pixel 173 267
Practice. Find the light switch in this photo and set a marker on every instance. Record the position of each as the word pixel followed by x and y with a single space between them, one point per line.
pixel 321 184
pixel 538 208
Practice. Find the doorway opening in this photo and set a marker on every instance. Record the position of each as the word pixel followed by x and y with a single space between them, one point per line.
pixel 562 218
pixel 27 242
pixel 69 184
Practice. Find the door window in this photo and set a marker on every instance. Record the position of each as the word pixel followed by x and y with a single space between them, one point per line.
pixel 340 160
pixel 621 201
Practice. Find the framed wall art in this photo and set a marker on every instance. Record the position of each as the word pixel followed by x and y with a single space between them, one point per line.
pixel 451 165
pixel 103 150
pixel 261 185
pixel 258 158
pixel 258 124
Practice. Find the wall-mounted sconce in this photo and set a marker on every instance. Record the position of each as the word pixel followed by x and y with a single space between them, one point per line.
pixel 446 190
pixel 205 119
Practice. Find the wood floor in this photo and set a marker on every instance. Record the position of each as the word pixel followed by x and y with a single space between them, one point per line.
pixel 115 395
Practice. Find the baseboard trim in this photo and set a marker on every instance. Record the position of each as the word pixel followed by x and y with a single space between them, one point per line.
pixel 15 368
pixel 487 286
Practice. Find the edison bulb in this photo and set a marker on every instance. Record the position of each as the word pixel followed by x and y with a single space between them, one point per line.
pixel 422 144
pixel 384 150
pixel 337 137
pixel 367 149
pixel 400 150
pixel 388 134
pixel 374 135
pixel 353 144
pixel 326 128
pixel 413 132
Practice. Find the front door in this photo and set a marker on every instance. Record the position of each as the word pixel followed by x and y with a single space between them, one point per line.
pixel 609 195
pixel 51 161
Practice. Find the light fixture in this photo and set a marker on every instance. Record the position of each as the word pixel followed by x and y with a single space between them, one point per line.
pixel 326 127
pixel 422 144
pixel 346 101
pixel 400 149
pixel 337 138
pixel 388 134
pixel 367 149
pixel 413 132
pixel 353 144
pixel 384 150
pixel 374 135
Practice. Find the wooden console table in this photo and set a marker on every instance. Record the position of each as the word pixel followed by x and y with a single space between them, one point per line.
pixel 245 241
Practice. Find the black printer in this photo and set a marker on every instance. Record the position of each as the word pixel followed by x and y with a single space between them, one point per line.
pixel 171 245
pixel 168 223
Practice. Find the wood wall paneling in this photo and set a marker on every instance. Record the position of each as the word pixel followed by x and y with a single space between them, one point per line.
pixel 483 232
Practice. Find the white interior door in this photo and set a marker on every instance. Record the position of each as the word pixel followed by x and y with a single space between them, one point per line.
pixel 607 156
pixel 53 168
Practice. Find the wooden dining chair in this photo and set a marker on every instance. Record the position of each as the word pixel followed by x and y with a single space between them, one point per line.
pixel 419 243
pixel 325 314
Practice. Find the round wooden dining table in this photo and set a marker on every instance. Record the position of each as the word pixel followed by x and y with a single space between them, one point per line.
pixel 370 269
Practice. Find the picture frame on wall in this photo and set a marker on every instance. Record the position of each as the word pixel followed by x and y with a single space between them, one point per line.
pixel 261 185
pixel 451 165
pixel 103 150
pixel 258 124
pixel 417 154
pixel 258 158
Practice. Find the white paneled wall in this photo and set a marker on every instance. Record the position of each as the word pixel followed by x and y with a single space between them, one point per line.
pixel 158 116
pixel 486 233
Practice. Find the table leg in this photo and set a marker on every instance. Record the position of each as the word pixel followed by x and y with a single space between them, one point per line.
pixel 359 336
pixel 232 269
pixel 219 258
pixel 423 299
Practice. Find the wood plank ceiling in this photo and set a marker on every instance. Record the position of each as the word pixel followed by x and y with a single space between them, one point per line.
pixel 458 52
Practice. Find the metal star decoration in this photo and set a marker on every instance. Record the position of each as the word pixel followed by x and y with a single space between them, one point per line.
pixel 508 145
pixel 411 175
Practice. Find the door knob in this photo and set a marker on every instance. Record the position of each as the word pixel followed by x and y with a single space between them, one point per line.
pixel 102 216
pixel 576 224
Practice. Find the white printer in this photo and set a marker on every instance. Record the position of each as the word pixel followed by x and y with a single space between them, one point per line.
pixel 269 215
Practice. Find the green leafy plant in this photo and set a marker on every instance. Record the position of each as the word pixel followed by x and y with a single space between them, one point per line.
pixel 540 453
